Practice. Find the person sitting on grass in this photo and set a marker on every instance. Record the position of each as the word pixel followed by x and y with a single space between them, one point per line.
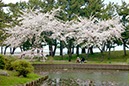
pixel 78 60
pixel 82 60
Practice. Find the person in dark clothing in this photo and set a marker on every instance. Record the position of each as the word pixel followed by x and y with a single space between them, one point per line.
pixel 82 60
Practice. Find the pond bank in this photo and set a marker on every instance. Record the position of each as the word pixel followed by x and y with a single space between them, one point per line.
pixel 81 66
pixel 37 82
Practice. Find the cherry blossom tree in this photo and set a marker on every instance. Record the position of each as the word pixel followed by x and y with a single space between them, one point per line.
pixel 83 31
pixel 93 32
pixel 96 32
pixel 65 33
pixel 33 25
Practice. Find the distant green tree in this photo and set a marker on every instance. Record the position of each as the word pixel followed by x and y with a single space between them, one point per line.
pixel 123 12
pixel 107 12
pixel 91 8
pixel 5 19
pixel 71 9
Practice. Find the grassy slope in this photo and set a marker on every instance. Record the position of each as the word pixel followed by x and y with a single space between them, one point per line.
pixel 116 57
pixel 13 80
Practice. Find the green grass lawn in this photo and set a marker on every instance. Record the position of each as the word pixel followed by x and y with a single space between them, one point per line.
pixel 116 57
pixel 13 79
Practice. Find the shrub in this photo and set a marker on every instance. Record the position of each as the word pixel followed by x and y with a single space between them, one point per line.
pixel 2 62
pixel 8 61
pixel 5 62
pixel 22 67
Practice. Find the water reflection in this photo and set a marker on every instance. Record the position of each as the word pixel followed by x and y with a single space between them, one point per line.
pixel 88 78
pixel 78 82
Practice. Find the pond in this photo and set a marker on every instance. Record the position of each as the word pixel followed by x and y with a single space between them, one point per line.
pixel 87 78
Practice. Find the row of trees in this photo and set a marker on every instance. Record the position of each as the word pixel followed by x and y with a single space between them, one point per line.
pixel 92 24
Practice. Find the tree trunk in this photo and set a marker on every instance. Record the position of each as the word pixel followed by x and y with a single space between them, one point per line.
pixel 50 50
pixel 61 49
pixel 69 50
pixel 10 50
pixel 91 50
pixel 83 50
pixel 1 49
pixel 5 49
pixel 109 52
pixel 77 50
pixel 88 51
pixel 104 46
pixel 124 48
pixel 70 54
pixel 102 57
pixel 73 50
pixel 13 50
pixel 21 48
pixel 55 47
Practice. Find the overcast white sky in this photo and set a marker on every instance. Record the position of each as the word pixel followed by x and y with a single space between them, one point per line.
pixel 116 1
pixel 12 1
pixel 106 1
